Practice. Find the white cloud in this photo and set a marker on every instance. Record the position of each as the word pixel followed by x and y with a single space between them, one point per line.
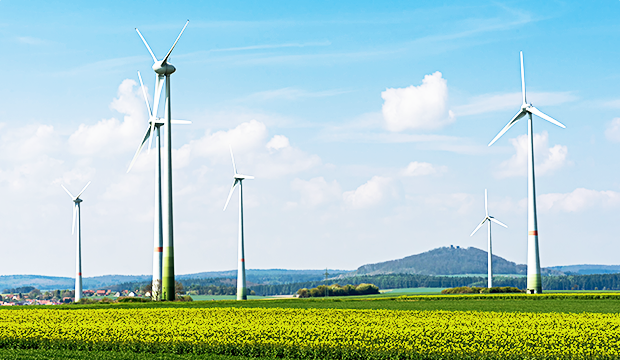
pixel 577 200
pixel 418 107
pixel 373 192
pixel 278 142
pixel 317 191
pixel 546 159
pixel 264 159
pixel 111 136
pixel 613 130
pixel 28 142
pixel 416 168
pixel 487 103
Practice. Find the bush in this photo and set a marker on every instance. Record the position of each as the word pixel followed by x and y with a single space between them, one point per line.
pixel 130 299
pixel 338 290
pixel 481 290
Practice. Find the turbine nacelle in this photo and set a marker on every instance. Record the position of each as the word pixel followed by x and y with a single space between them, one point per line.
pixel 163 68
pixel 243 177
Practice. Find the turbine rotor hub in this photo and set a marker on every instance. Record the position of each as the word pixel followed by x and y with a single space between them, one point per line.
pixel 164 69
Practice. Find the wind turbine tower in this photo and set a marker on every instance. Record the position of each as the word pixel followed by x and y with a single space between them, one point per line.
pixel 241 283
pixel 154 131
pixel 77 220
pixel 164 69
pixel 488 219
pixel 534 281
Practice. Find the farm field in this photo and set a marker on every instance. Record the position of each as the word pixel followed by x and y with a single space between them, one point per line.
pixel 29 354
pixel 554 325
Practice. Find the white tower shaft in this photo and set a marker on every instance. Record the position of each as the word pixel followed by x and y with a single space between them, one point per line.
pixel 534 281
pixel 158 230
pixel 78 262
pixel 490 255
pixel 168 284
pixel 241 283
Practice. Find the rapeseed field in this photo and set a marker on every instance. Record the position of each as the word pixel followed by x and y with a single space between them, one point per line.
pixel 318 333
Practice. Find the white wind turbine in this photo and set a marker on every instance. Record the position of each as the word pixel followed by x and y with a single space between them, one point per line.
pixel 534 281
pixel 241 283
pixel 488 219
pixel 164 69
pixel 154 131
pixel 77 220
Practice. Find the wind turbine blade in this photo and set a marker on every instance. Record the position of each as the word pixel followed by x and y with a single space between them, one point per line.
pixel 516 118
pixel 159 82
pixel 230 193
pixel 478 227
pixel 233 160
pixel 147 45
pixel 146 136
pixel 181 122
pixel 68 192
pixel 498 222
pixel 522 79
pixel 152 131
pixel 486 206
pixel 81 192
pixel 175 44
pixel 146 100
pixel 539 113
pixel 74 215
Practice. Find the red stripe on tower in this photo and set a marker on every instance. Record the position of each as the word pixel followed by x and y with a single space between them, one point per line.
pixel 79 274
pixel 159 249
pixel 242 260
pixel 535 233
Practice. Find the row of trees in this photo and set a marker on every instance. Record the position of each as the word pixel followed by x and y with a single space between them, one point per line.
pixel 337 290
pixel 396 281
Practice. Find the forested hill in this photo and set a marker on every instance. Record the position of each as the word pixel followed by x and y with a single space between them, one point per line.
pixel 443 261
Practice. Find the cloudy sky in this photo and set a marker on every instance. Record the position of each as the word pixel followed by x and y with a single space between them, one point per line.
pixel 366 125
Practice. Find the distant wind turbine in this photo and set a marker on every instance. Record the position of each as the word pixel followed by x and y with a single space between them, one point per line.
pixel 164 69
pixel 534 280
pixel 241 283
pixel 488 219
pixel 154 131
pixel 77 220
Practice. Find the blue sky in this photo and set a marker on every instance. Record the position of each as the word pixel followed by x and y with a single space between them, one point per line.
pixel 365 124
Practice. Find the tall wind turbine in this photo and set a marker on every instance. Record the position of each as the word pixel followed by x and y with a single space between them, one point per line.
pixel 154 131
pixel 77 220
pixel 164 69
pixel 488 219
pixel 534 281
pixel 241 288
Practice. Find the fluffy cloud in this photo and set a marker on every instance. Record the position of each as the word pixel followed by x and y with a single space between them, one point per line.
pixel 266 159
pixel 111 136
pixel 316 191
pixel 577 200
pixel 547 159
pixel 613 130
pixel 278 142
pixel 422 169
pixel 418 107
pixel 372 193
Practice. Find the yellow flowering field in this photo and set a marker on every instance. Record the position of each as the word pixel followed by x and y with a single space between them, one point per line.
pixel 318 333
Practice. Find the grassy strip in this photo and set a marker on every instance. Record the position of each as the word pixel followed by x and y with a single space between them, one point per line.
pixel 549 302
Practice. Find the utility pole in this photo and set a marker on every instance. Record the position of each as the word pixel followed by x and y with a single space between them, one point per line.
pixel 326 290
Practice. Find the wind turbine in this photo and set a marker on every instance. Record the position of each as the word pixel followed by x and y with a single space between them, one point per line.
pixel 534 281
pixel 76 216
pixel 488 219
pixel 154 131
pixel 164 69
pixel 241 289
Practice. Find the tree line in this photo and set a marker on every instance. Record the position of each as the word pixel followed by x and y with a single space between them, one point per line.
pixel 396 281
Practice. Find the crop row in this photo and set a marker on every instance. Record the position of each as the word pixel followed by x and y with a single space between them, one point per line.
pixel 318 333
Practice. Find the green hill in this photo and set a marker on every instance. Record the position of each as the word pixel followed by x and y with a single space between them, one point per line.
pixel 444 261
